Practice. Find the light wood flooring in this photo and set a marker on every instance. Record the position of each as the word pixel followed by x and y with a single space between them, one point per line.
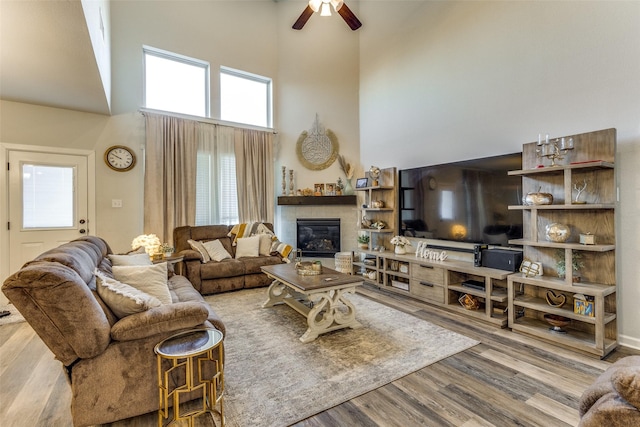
pixel 507 380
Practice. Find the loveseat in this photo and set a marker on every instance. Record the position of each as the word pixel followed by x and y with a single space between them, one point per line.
pixel 613 400
pixel 210 276
pixel 110 362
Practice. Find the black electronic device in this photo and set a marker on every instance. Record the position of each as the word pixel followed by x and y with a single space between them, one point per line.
pixel 474 284
pixel 477 254
pixel 502 259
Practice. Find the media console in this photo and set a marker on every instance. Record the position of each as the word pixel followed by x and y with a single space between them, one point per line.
pixel 440 282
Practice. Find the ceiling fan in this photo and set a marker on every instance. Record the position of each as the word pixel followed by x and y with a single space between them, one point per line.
pixel 323 6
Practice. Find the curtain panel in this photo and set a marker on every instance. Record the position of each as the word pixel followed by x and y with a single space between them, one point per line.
pixel 255 175
pixel 170 174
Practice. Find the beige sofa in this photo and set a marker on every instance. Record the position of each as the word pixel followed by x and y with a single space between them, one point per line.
pixel 613 400
pixel 227 275
pixel 110 362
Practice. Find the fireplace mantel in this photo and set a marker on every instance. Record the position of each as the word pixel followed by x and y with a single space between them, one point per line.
pixel 316 200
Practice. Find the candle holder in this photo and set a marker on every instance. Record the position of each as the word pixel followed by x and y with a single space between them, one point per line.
pixel 284 180
pixel 291 193
pixel 555 149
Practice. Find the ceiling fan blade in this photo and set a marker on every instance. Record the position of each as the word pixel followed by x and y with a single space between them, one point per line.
pixel 352 20
pixel 304 17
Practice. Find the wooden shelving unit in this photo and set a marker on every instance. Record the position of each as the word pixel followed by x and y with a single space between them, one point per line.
pixel 440 283
pixel 591 162
pixel 387 193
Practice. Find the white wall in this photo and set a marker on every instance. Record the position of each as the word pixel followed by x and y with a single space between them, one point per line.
pixel 458 80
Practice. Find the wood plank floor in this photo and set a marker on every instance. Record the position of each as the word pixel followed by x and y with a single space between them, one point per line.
pixel 507 380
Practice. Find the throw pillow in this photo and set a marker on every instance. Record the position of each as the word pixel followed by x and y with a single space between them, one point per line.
pixel 626 381
pixel 216 250
pixel 133 259
pixel 248 247
pixel 198 246
pixel 121 298
pixel 265 244
pixel 281 248
pixel 151 279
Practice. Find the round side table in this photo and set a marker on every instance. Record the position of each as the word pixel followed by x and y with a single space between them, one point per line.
pixel 197 357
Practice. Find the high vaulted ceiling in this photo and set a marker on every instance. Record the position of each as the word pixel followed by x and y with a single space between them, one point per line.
pixel 46 56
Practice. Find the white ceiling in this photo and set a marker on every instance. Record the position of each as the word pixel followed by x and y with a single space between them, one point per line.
pixel 46 56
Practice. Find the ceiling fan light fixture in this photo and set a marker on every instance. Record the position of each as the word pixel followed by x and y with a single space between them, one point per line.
pixel 326 10
pixel 337 4
pixel 315 5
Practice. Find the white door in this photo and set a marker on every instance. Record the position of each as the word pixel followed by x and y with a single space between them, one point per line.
pixel 48 203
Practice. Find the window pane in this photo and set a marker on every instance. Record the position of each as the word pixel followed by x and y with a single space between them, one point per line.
pixel 245 98
pixel 47 196
pixel 176 84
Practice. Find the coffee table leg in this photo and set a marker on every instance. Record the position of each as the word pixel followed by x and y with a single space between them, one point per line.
pixel 326 315
pixel 276 293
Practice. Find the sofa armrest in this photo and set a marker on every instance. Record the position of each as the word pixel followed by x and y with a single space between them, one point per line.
pixel 190 254
pixel 166 318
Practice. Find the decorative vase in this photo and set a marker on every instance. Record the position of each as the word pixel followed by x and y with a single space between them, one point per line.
pixel 400 250
pixel 348 189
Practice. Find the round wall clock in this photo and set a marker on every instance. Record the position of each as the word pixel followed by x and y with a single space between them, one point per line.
pixel 120 158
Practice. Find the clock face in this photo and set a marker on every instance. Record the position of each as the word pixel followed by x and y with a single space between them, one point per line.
pixel 120 158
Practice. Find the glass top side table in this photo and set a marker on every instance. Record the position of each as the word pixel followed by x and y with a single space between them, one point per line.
pixel 195 360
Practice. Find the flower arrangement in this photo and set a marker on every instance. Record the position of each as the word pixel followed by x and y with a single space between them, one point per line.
pixel 150 243
pixel 346 167
pixel 400 241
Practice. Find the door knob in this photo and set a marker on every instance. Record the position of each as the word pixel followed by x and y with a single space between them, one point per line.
pixel 82 221
pixel 82 231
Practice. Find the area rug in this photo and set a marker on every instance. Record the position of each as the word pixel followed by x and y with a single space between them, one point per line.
pixel 14 317
pixel 272 379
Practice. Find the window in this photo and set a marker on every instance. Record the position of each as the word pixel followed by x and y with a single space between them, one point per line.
pixel 245 98
pixel 216 191
pixel 175 83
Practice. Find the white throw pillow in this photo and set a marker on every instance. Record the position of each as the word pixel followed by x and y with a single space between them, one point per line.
pixel 121 298
pixel 248 247
pixel 216 250
pixel 133 259
pixel 265 244
pixel 198 246
pixel 151 279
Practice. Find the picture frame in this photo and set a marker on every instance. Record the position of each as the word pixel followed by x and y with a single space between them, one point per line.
pixel 330 189
pixel 318 189
pixel 362 182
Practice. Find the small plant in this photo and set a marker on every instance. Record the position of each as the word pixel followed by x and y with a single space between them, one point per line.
pixel 363 239
pixel 576 263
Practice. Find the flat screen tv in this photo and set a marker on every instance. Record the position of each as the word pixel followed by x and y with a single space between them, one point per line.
pixel 463 201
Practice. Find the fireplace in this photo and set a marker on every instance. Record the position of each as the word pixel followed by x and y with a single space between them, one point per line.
pixel 318 237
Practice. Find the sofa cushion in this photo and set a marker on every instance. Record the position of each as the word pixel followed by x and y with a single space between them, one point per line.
pixel 151 279
pixel 123 299
pixel 248 247
pixel 216 250
pixel 265 244
pixel 222 269
pixel 626 381
pixel 199 247
pixel 132 259
pixel 252 265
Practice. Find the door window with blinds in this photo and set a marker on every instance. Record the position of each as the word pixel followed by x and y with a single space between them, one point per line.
pixel 48 197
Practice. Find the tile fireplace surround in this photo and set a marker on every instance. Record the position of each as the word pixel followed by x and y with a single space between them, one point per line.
pixel 286 215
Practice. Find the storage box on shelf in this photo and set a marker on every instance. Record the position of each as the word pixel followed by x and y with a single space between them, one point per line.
pixel 441 283
pixel 590 163
pixel 385 193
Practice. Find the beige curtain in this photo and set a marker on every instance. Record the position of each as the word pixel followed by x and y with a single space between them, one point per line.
pixel 254 160
pixel 170 174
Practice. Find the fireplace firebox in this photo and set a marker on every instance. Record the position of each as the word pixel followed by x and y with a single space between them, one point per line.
pixel 318 237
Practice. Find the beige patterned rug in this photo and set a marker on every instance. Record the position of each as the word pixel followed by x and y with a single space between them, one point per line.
pixel 272 379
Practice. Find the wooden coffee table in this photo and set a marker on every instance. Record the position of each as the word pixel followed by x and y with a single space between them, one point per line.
pixel 321 299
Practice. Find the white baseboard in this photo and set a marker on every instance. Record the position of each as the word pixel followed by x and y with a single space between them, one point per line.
pixel 630 342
